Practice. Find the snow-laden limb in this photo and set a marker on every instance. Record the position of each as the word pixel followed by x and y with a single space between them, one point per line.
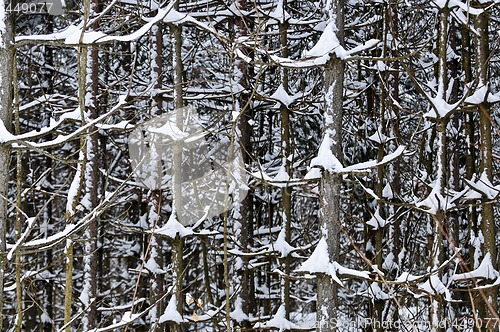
pixel 377 293
pixel 279 14
pixel 466 7
pixel 407 277
pixel 280 245
pixel 319 262
pixel 280 180
pixel 283 97
pixel 126 318
pixel 120 125
pixel 329 162
pixel 483 186
pixel 482 95
pixel 22 238
pixel 435 201
pixel 440 108
pixel 174 227
pixel 325 157
pixel 77 34
pixel 237 314
pixel 328 43
pixel 320 54
pixel 21 139
pixel 379 137
pixel 5 135
pixel 171 314
pixel 178 18
pixel 71 229
pixel 477 188
pixel 484 271
pixel 278 321
pixel 434 286
pixel 376 221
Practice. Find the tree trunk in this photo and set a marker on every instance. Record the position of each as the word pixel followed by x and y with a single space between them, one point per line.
pixel 489 305
pixel 327 301
pixel 6 63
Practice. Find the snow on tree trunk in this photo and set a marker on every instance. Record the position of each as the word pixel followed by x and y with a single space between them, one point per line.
pixel 327 301
pixel 6 63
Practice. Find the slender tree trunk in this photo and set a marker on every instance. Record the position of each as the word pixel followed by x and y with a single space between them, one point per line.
pixel 244 107
pixel 327 298
pixel 6 68
pixel 157 278
pixel 77 187
pixel 178 242
pixel 489 305
pixel 287 154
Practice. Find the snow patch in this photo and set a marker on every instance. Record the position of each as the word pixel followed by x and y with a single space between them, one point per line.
pixel 174 227
pixel 171 314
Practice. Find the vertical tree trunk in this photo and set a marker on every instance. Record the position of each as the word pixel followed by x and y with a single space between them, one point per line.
pixel 89 291
pixel 155 198
pixel 489 305
pixel 439 218
pixel 178 242
pixel 244 107
pixel 6 67
pixel 78 184
pixel 327 298
pixel 286 151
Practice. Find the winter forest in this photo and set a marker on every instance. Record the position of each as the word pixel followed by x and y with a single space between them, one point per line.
pixel 283 165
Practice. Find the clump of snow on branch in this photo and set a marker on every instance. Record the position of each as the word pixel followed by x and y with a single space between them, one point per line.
pixel 171 314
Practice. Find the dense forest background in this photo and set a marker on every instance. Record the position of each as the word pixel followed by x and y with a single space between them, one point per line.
pixel 369 133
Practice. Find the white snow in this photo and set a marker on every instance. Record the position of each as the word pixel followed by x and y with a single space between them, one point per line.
pixel 237 314
pixel 440 108
pixel 278 321
pixel 325 157
pixel 282 96
pixel 481 186
pixel 389 263
pixel 328 43
pixel 484 270
pixel 435 201
pixel 170 129
pixel 279 13
pixel 281 245
pixel 478 96
pixel 171 314
pixel 376 220
pixel 379 137
pixel 313 174
pixel 377 293
pixel 174 227
pixel 74 187
pixel 23 236
pixel 406 277
pixel 129 317
pixel 5 135
pixel 387 191
pixel 435 286
pixel 319 262
pixel 282 175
